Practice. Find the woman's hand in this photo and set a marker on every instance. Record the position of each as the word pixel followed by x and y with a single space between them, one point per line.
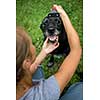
pixel 59 9
pixel 49 47
pixel 46 49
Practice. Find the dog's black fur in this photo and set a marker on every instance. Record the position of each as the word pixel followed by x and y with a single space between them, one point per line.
pixel 52 25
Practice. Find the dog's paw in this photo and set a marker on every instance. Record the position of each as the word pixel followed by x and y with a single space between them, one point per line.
pixel 50 64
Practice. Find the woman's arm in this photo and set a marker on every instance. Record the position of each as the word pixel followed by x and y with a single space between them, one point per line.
pixel 46 49
pixel 70 63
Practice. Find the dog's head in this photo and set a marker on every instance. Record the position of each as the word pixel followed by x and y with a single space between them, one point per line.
pixel 51 26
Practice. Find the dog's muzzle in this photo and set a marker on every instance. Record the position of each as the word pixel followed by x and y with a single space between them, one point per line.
pixel 52 35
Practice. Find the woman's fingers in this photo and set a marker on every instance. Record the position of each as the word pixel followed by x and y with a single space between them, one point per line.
pixel 45 43
pixel 54 7
pixel 56 45
pixel 46 40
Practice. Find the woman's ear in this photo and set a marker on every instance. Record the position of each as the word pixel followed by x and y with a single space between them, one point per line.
pixel 27 63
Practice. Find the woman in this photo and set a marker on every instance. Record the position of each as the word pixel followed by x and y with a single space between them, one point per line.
pixel 27 64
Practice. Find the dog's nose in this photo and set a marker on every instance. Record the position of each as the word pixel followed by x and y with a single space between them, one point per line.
pixel 51 30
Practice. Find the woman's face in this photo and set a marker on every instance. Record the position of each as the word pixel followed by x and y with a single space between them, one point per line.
pixel 30 60
pixel 33 52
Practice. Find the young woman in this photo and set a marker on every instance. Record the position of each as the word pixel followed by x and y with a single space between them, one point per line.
pixel 27 65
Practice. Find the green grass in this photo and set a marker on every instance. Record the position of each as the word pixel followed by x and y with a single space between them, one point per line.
pixel 30 13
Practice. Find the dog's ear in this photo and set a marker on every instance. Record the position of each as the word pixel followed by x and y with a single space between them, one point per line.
pixel 41 26
pixel 44 23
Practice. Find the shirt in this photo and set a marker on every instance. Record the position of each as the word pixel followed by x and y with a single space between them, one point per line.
pixel 47 89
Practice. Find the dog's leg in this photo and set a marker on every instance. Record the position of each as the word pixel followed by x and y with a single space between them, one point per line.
pixel 51 61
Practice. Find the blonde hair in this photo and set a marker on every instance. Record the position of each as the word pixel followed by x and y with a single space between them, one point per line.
pixel 22 51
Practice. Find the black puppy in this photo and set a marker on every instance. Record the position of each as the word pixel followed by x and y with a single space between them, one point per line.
pixel 53 28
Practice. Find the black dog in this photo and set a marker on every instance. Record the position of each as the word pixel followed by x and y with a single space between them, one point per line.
pixel 53 28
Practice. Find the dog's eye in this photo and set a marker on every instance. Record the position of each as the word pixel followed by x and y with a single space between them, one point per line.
pixel 49 15
pixel 57 15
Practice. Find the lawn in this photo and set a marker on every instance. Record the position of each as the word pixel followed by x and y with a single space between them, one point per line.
pixel 30 13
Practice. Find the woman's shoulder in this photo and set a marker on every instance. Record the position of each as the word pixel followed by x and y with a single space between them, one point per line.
pixel 46 89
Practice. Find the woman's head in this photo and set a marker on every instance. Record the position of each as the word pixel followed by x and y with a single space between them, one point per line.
pixel 25 53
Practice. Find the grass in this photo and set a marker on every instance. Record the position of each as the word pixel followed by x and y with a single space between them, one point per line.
pixel 30 13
